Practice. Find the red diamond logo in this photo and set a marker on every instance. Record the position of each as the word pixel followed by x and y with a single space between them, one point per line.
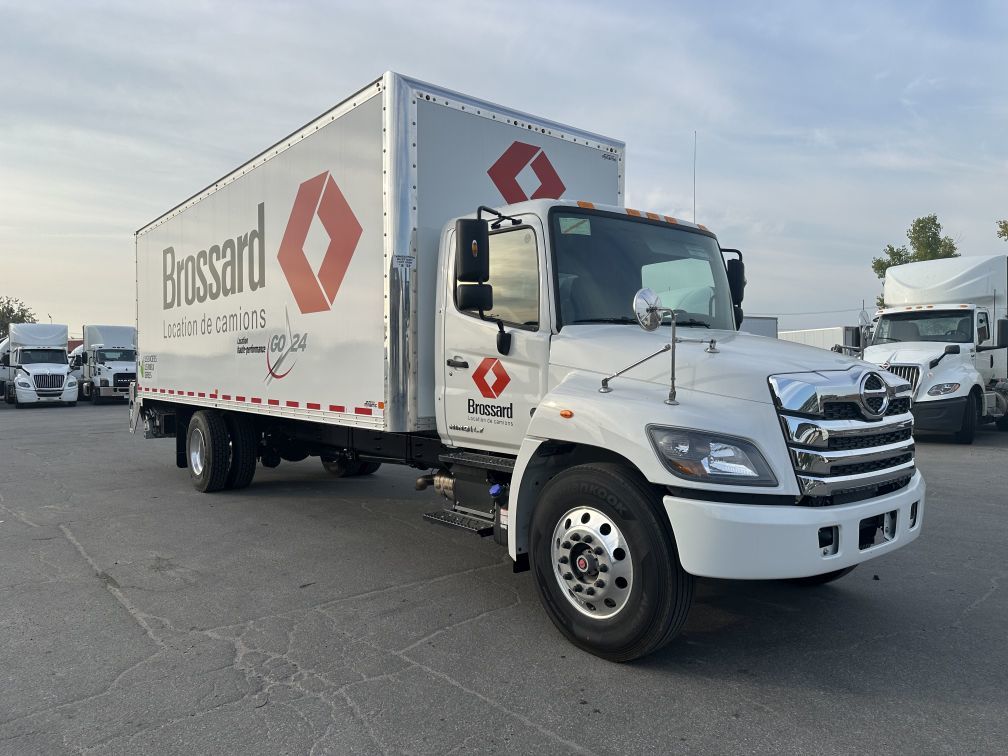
pixel 501 378
pixel 321 198
pixel 504 173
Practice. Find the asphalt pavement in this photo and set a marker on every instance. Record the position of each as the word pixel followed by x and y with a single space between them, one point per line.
pixel 309 614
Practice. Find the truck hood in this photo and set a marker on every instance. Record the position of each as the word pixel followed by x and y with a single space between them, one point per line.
pixel 46 367
pixel 119 367
pixel 739 369
pixel 907 352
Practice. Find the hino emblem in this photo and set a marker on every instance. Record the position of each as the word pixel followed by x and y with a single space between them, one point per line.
pixel 874 396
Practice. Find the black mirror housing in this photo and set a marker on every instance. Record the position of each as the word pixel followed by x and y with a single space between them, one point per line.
pixel 952 349
pixel 1002 333
pixel 474 297
pixel 736 278
pixel 472 251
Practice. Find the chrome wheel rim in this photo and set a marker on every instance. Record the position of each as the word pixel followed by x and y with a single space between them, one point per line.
pixel 591 562
pixel 197 451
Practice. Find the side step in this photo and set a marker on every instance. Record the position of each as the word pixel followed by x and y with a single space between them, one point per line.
pixel 496 462
pixel 481 526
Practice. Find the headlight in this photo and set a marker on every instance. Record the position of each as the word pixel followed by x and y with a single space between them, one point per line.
pixel 940 389
pixel 697 455
pixel 23 383
pixel 104 382
pixel 71 381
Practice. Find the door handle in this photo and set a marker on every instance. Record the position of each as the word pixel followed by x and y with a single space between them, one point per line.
pixel 457 362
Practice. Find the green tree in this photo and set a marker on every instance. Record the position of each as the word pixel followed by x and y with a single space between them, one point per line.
pixel 926 243
pixel 1002 229
pixel 13 310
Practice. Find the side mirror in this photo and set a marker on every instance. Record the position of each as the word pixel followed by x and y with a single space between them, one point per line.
pixel 952 349
pixel 474 297
pixel 1002 333
pixel 647 309
pixel 736 277
pixel 472 251
pixel 5 360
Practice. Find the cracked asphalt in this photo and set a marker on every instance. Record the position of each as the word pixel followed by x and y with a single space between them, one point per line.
pixel 314 615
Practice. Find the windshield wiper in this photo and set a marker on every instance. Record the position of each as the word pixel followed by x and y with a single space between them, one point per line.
pixel 692 322
pixel 604 320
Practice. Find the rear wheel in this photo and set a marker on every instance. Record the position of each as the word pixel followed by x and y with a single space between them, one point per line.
pixel 208 452
pixel 606 564
pixel 244 443
pixel 967 432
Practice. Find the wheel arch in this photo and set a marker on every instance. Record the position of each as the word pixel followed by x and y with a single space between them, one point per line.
pixel 539 461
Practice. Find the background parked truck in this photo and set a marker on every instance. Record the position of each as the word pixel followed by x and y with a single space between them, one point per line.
pixel 944 330
pixel 106 362
pixel 565 373
pixel 33 365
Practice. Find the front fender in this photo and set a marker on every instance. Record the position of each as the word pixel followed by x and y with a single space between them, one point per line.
pixel 963 373
pixel 576 412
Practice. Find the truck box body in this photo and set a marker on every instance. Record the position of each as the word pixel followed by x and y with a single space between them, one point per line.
pixel 981 280
pixel 303 283
pixel 48 335
pixel 109 336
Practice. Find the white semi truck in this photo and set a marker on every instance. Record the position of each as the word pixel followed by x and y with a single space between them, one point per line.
pixel 564 370
pixel 106 361
pixel 33 365
pixel 944 330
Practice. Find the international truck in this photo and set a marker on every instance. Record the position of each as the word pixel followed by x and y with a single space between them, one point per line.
pixel 944 330
pixel 33 366
pixel 106 362
pixel 423 278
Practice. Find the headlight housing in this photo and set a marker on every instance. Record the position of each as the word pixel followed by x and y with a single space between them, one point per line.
pixel 23 383
pixel 71 381
pixel 940 389
pixel 709 457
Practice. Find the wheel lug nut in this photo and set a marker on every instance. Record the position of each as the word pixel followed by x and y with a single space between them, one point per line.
pixel 568 576
pixel 587 539
pixel 565 545
pixel 603 568
pixel 599 551
pixel 575 536
pixel 578 588
pixel 564 560
pixel 600 583
pixel 590 592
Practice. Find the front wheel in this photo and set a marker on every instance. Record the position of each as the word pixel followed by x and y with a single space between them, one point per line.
pixel 606 564
pixel 208 451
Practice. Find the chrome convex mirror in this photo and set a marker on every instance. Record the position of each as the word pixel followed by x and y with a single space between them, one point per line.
pixel 648 309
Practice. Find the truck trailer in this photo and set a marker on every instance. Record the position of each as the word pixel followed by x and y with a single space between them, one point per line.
pixel 944 330
pixel 33 366
pixel 423 278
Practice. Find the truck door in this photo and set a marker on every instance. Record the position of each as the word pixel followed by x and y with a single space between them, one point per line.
pixel 487 398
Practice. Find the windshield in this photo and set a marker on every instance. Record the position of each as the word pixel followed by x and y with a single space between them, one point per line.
pixel 115 355
pixel 42 356
pixel 934 325
pixel 602 260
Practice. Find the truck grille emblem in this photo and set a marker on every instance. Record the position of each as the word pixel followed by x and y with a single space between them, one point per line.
pixel 874 396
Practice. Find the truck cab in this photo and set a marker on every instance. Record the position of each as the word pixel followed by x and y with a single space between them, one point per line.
pixel 33 366
pixel 107 362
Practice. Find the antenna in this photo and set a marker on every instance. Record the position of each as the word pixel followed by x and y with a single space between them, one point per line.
pixel 694 175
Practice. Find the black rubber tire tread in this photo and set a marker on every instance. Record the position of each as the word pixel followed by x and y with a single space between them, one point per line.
pixel 95 396
pixel 1001 424
pixel 967 433
pixel 642 627
pixel 826 577
pixel 215 437
pixel 243 459
pixel 367 467
pixel 71 404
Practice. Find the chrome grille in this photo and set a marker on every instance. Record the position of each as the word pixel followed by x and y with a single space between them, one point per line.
pixel 909 373
pixel 846 442
pixel 48 380
pixel 123 380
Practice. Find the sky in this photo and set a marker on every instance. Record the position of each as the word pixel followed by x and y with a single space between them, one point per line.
pixel 822 129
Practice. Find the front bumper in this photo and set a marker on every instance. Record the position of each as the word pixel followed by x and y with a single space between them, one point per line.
pixel 766 542
pixel 106 391
pixel 939 415
pixel 30 396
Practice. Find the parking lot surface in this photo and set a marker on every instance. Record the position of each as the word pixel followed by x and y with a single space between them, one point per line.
pixel 310 614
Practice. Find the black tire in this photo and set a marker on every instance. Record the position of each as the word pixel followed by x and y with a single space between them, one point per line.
pixel 661 591
pixel 95 395
pixel 71 404
pixel 244 445
pixel 967 432
pixel 826 577
pixel 214 455
pixel 1002 424
pixel 80 390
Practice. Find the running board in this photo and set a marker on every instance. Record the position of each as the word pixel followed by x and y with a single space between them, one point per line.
pixel 496 462
pixel 480 526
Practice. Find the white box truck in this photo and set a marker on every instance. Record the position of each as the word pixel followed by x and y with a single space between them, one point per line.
pixel 33 365
pixel 346 294
pixel 944 330
pixel 106 362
